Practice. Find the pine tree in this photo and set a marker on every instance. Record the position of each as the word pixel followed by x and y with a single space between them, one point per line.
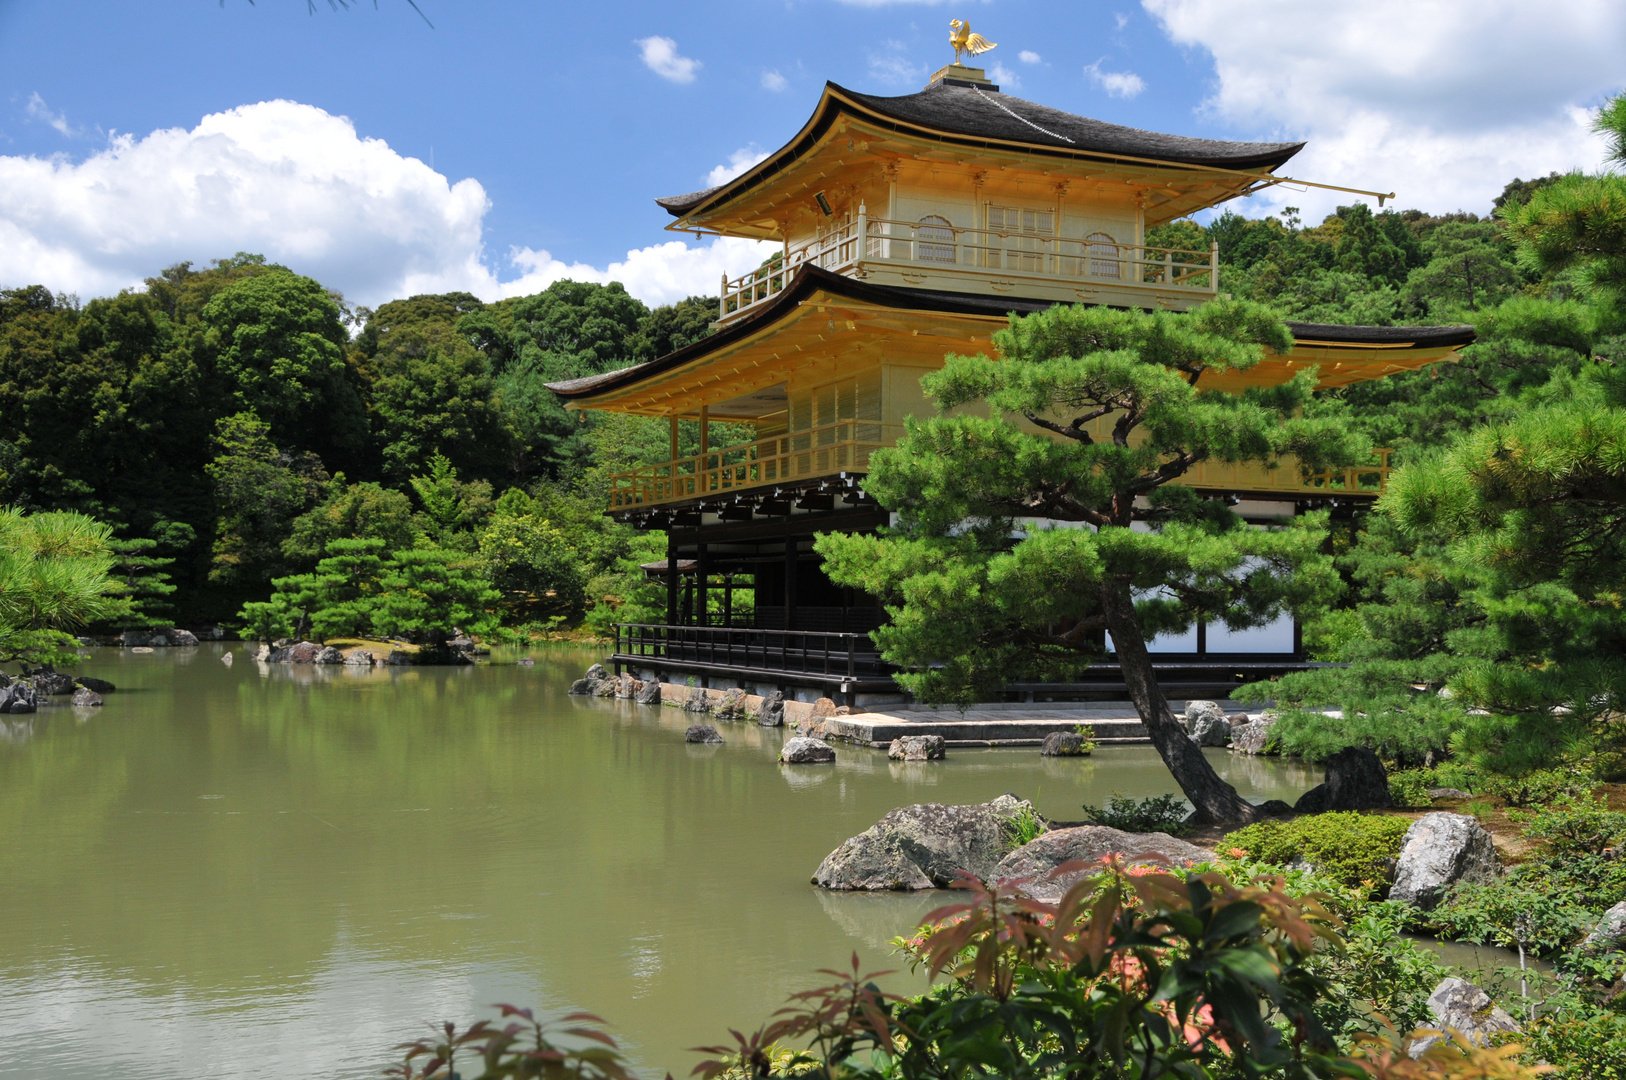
pixel 1114 415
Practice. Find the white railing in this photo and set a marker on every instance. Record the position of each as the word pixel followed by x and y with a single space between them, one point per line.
pixel 1010 258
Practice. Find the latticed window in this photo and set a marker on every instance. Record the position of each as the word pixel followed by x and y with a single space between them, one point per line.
pixel 1023 234
pixel 1101 252
pixel 934 240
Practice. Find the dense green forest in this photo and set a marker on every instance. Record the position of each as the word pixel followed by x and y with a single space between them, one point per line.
pixel 230 423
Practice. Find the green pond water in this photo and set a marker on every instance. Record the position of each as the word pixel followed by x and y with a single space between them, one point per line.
pixel 275 872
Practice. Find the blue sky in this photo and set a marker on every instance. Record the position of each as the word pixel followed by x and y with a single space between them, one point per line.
pixel 517 142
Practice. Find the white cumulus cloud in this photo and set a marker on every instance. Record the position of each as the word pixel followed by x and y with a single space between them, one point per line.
pixel 1118 84
pixel 1028 56
pixel 1442 103
pixel 772 80
pixel 661 56
pixel 658 274
pixel 1005 77
pixel 738 162
pixel 301 187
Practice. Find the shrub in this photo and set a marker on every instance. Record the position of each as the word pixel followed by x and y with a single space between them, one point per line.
pixel 1410 787
pixel 1578 825
pixel 1160 813
pixel 1380 977
pixel 1535 789
pixel 1351 848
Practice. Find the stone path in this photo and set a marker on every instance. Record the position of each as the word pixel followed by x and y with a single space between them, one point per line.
pixel 1001 724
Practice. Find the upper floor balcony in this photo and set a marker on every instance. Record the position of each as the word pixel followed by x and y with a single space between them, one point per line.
pixel 1021 258
pixel 746 476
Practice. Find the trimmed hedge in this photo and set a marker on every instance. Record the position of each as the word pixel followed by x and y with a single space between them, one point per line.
pixel 1350 847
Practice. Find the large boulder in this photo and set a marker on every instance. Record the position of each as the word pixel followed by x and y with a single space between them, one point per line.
pixel 627 687
pixel 773 710
pixel 812 726
pixel 182 638
pixel 917 748
pixel 1064 744
pixel 1355 781
pixel 925 846
pixel 359 658
pixel 732 707
pixel 83 698
pixel 803 751
pixel 329 655
pixel 649 693
pixel 698 700
pixel 1210 730
pixel 581 687
pixel 1460 1005
pixel 400 658
pixel 1610 933
pixel 702 733
pixel 1253 737
pixel 305 652
pixel 1199 710
pixel 607 686
pixel 597 672
pixel 19 697
pixel 263 653
pixel 131 638
pixel 1439 850
pixel 1088 843
pixel 51 683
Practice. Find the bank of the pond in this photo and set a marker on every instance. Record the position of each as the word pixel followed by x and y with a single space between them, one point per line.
pixel 266 871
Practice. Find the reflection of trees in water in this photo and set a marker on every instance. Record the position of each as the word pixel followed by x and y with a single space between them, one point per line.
pixel 1245 771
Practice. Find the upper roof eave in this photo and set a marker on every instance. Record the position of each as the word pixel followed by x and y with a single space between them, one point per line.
pixel 978 120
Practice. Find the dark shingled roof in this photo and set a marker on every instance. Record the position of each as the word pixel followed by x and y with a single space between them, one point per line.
pixel 976 113
pixel 812 278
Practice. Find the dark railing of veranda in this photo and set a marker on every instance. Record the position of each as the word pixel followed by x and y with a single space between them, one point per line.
pixel 752 649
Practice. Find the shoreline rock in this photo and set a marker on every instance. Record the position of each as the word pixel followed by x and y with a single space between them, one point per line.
pixel 1355 781
pixel 1040 857
pixel 924 846
pixel 1459 1004
pixel 1064 744
pixel 702 733
pixel 804 751
pixel 917 748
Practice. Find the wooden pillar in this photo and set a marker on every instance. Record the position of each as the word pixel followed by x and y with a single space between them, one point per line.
pixel 702 571
pixel 728 599
pixel 674 438
pixel 671 577
pixel 790 581
pixel 704 478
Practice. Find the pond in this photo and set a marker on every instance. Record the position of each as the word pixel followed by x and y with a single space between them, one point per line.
pixel 272 872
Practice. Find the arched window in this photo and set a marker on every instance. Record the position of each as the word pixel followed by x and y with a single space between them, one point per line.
pixel 1102 256
pixel 934 240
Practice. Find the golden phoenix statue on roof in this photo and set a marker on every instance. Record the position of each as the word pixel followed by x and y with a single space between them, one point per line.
pixel 964 41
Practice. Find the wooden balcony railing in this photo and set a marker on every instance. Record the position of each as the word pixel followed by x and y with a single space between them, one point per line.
pixel 846 447
pixel 827 657
pixel 778 459
pixel 1006 257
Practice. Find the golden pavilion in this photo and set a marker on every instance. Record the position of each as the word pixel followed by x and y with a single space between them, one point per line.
pixel 909 228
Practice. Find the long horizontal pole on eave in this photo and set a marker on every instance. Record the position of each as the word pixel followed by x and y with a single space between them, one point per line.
pixel 1264 180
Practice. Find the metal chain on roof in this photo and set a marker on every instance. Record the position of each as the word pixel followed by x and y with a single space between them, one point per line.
pixel 1024 119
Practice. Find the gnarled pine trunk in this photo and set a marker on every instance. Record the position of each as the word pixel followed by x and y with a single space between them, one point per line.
pixel 1215 800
